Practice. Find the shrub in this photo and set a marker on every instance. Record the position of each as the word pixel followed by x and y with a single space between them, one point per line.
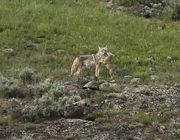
pixel 175 128
pixel 45 86
pixel 97 114
pixel 56 97
pixel 13 90
pixel 10 88
pixel 29 126
pixel 27 75
pixel 55 90
pixel 176 13
pixel 47 107
pixel 3 80
pixel 100 120
pixel 58 90
pixel 2 120
pixel 15 107
pixel 69 137
pixel 65 101
pixel 145 2
pixel 144 118
pixel 30 113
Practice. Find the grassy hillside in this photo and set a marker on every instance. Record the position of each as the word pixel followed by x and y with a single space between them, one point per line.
pixel 65 28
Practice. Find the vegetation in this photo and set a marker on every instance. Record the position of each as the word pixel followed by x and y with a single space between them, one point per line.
pixel 145 119
pixel 175 128
pixel 73 27
pixel 29 126
pixel 39 40
pixel 52 103
pixel 2 120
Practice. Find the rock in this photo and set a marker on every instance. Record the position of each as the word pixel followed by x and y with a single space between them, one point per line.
pixel 9 51
pixel 32 45
pixel 60 51
pixel 94 85
pixel 135 81
pixel 168 58
pixel 161 128
pixel 137 138
pixel 154 78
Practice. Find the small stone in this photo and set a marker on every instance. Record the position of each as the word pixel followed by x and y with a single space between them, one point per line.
pixel 137 138
pixel 162 128
pixel 32 45
pixel 154 77
pixel 9 50
pixel 169 58
pixel 60 51
pixel 135 81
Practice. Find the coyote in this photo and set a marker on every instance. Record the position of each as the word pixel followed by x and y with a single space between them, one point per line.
pixel 94 60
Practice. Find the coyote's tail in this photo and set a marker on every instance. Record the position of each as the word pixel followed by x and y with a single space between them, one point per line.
pixel 75 65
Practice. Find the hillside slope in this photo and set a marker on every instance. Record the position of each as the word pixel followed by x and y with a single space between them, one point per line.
pixel 38 100
pixel 46 35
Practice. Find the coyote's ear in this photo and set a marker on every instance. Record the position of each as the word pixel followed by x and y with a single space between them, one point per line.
pixel 111 54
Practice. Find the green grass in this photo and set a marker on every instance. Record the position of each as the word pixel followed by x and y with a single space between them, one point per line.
pixel 144 118
pixel 69 137
pixel 78 28
pixel 2 120
pixel 29 126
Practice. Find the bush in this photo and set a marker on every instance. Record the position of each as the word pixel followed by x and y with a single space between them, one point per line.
pixel 58 90
pixel 65 101
pixel 15 107
pixel 10 88
pixel 27 75
pixel 29 126
pixel 144 118
pixel 176 14
pixel 45 86
pixel 47 107
pixel 134 2
pixel 175 128
pixel 30 113
pixel 3 120
pixel 13 90
pixel 54 90
pixel 54 102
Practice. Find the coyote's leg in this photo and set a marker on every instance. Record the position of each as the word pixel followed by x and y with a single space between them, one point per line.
pixel 75 66
pixel 109 66
pixel 78 70
pixel 97 70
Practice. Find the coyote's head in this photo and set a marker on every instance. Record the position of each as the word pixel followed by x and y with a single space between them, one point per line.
pixel 102 52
